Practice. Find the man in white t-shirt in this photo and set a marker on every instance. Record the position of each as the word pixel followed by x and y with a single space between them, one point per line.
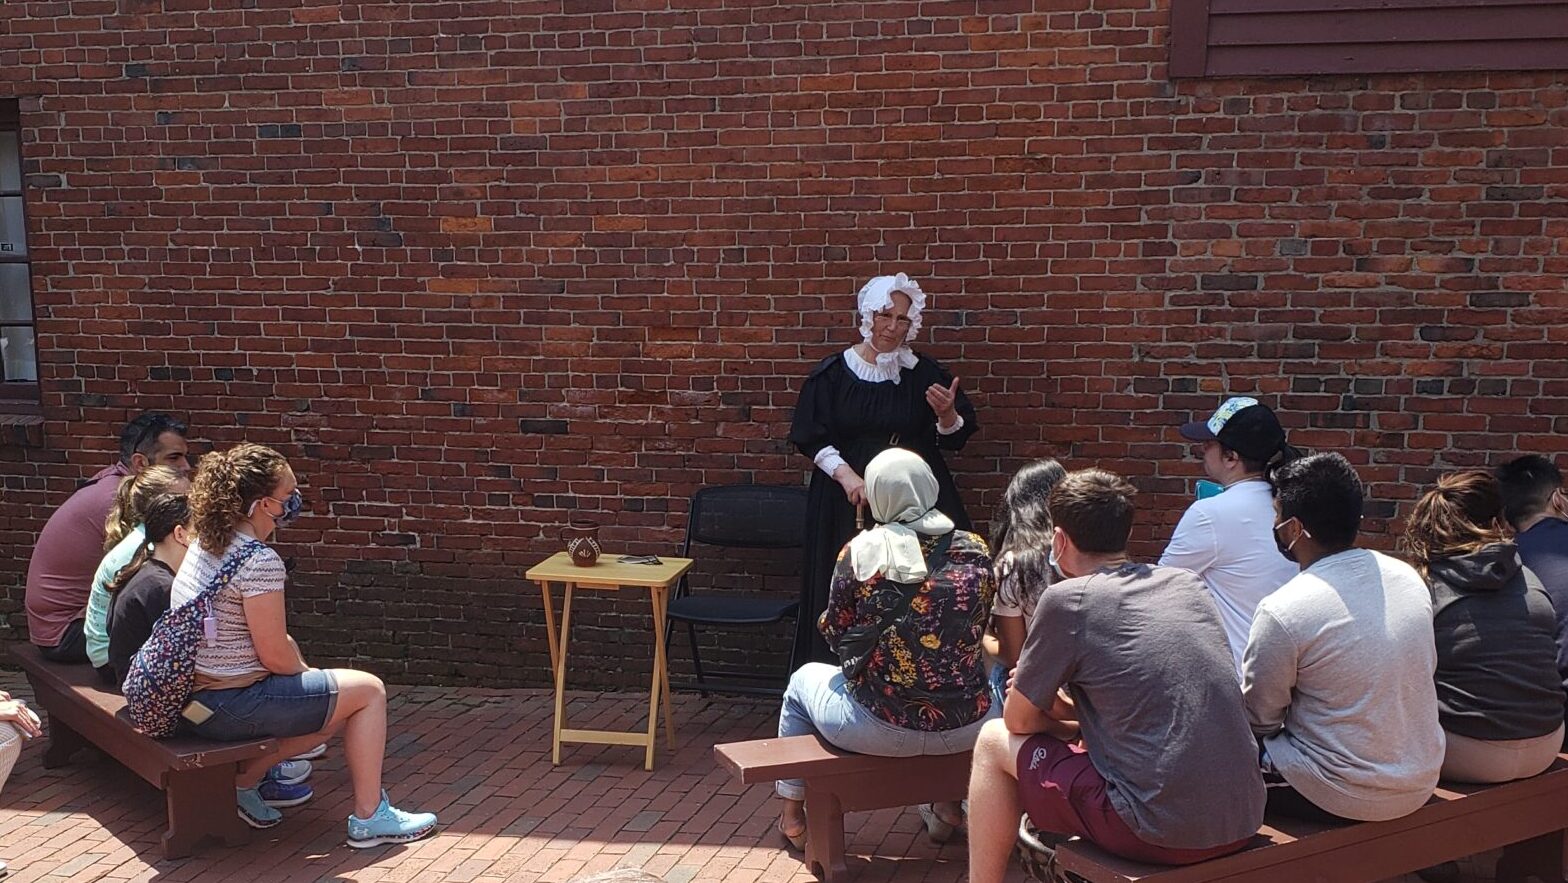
pixel 1226 539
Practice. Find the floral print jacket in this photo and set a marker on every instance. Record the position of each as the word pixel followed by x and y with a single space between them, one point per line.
pixel 927 672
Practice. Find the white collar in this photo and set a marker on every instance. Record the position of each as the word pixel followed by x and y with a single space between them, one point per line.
pixel 884 369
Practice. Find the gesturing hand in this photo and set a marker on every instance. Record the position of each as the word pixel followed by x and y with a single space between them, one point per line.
pixel 942 399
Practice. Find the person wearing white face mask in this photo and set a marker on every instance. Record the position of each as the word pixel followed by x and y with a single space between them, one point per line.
pixel 1167 769
pixel 876 395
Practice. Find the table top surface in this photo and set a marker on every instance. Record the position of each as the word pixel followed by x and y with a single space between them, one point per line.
pixel 607 572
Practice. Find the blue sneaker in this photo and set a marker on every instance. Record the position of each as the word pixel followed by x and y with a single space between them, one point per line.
pixel 254 811
pixel 389 825
pixel 290 772
pixel 282 794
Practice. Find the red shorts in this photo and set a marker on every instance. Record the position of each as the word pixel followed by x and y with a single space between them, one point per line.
pixel 1064 794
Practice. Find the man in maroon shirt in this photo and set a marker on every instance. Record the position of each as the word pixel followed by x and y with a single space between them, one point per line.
pixel 60 574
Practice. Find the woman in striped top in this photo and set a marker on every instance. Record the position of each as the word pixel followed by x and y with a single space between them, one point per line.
pixel 251 679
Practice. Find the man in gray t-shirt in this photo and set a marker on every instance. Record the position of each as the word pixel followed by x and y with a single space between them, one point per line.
pixel 1169 773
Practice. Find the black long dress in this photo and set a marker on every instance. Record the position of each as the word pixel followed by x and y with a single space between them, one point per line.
pixel 862 419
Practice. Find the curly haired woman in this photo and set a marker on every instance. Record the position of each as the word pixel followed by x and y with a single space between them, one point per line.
pixel 251 681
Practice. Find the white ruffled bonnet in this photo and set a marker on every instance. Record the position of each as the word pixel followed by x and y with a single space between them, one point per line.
pixel 878 295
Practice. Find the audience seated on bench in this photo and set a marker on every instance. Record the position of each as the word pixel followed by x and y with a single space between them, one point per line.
pixel 61 567
pixel 251 680
pixel 1500 699
pixel 906 611
pixel 1170 774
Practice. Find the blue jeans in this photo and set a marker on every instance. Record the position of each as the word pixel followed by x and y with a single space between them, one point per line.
pixel 818 701
pixel 278 706
pixel 998 680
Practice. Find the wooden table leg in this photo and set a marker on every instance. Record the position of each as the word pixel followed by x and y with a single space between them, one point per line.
pixel 661 606
pixel 657 687
pixel 549 626
pixel 560 677
pixel 201 805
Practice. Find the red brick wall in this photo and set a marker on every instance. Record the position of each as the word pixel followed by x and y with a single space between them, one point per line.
pixel 476 267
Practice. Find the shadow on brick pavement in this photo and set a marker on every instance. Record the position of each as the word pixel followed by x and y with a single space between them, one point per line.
pixel 481 760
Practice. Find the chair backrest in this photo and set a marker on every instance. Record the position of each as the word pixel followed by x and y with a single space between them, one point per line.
pixel 752 516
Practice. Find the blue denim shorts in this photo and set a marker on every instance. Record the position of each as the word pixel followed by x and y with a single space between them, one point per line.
pixel 278 706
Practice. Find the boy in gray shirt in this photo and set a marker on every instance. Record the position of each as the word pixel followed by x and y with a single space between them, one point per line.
pixel 1168 770
pixel 1338 672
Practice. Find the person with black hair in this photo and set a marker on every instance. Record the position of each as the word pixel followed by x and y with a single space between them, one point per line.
pixel 1224 538
pixel 139 591
pixel 1535 502
pixel 1166 769
pixel 1021 546
pixel 1338 672
pixel 69 548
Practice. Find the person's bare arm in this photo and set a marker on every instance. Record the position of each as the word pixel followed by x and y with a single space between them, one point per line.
pixel 1010 633
pixel 265 616
pixel 1025 718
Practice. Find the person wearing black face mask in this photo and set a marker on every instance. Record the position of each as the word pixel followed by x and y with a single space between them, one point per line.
pixel 1337 674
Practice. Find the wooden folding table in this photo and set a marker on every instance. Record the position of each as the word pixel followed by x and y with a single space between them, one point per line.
pixel 608 574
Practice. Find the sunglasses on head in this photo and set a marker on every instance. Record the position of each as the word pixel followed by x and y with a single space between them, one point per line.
pixel 155 427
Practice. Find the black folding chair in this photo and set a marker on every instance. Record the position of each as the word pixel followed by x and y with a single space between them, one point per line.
pixel 739 516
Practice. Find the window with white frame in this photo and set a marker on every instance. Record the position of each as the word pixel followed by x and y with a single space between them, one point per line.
pixel 18 347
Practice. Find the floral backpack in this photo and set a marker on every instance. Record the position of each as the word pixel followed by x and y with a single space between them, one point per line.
pixel 162 674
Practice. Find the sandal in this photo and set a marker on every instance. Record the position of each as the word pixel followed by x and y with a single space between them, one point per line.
pixel 798 841
pixel 938 829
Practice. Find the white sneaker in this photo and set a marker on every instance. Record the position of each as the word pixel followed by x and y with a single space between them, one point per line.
pixel 312 754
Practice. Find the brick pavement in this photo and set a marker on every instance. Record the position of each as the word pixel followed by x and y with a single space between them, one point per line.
pixel 481 760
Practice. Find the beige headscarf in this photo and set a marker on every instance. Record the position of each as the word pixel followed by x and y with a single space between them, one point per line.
pixel 902 492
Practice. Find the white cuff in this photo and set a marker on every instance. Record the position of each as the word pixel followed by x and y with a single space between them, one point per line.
pixel 828 460
pixel 956 426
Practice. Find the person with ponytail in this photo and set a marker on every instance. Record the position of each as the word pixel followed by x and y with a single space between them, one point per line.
pixel 1021 543
pixel 139 592
pixel 251 680
pixel 123 536
pixel 1226 536
pixel 1500 702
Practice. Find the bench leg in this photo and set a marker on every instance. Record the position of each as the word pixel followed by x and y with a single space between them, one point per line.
pixel 63 742
pixel 201 805
pixel 825 834
pixel 1540 859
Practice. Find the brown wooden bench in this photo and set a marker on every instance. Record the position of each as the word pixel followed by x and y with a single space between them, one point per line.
pixel 1527 818
pixel 195 775
pixel 838 782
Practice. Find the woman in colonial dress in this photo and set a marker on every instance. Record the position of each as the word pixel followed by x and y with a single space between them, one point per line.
pixel 855 404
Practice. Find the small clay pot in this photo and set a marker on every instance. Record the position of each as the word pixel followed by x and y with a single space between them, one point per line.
pixel 582 541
